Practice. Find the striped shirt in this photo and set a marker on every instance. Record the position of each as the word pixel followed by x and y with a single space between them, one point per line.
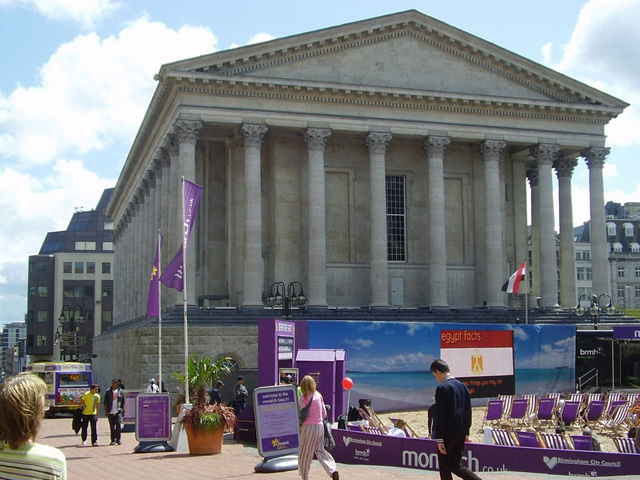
pixel 32 461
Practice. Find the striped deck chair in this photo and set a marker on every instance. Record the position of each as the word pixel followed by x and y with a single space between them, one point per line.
pixel 527 439
pixel 532 407
pixel 593 413
pixel 517 415
pixel 556 395
pixel 493 413
pixel 570 413
pixel 617 420
pixel 373 430
pixel 576 397
pixel 546 413
pixel 594 396
pixel 613 399
pixel 506 405
pixel 582 442
pixel 632 398
pixel 625 445
pixel 502 437
pixel 556 441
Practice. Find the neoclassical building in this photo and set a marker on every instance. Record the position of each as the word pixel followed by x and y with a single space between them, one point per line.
pixel 381 163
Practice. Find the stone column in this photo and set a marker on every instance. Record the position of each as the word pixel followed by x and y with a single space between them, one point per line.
pixel 174 207
pixel 378 274
pixel 568 293
pixel 187 132
pixel 316 140
pixel 438 284
pixel 116 269
pixel 532 175
pixel 491 150
pixel 253 280
pixel 545 155
pixel 595 158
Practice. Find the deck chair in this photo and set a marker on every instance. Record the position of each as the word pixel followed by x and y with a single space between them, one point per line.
pixel 375 420
pixel 502 437
pixel 493 413
pixel 518 412
pixel 527 439
pixel 556 441
pixel 570 413
pixel 632 398
pixel 546 412
pixel 613 399
pixel 532 407
pixel 373 430
pixel 593 397
pixel 556 395
pixel 506 405
pixel 407 428
pixel 576 397
pixel 593 413
pixel 582 442
pixel 625 445
pixel 617 420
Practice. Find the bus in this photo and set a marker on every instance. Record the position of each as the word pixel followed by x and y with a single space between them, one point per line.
pixel 66 383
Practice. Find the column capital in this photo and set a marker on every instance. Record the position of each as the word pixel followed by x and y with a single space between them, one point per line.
pixel 171 145
pixel 316 138
pixel 564 167
pixel 532 176
pixel 187 130
pixel 253 135
pixel 545 152
pixel 436 146
pixel 595 156
pixel 491 149
pixel 377 142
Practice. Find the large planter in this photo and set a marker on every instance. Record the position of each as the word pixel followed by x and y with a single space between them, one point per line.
pixel 204 443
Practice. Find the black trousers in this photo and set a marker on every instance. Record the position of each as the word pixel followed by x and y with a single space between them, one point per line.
pixel 115 426
pixel 450 463
pixel 93 421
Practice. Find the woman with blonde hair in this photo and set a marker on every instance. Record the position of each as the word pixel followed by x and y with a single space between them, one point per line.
pixel 312 432
pixel 22 408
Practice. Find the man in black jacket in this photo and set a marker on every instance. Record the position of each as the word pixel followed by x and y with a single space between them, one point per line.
pixel 452 422
pixel 114 410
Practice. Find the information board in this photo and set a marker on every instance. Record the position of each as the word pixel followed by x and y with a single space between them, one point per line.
pixel 276 416
pixel 153 417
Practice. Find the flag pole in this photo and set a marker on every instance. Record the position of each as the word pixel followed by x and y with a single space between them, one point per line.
pixel 184 303
pixel 159 314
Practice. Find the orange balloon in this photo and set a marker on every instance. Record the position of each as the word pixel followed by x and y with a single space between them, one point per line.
pixel 347 383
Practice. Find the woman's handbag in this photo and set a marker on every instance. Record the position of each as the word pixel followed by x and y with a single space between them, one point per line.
pixel 304 411
pixel 329 442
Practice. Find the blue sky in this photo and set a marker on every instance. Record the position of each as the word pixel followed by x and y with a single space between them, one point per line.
pixel 77 77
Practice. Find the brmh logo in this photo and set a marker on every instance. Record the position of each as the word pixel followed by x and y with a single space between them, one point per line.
pixel 593 352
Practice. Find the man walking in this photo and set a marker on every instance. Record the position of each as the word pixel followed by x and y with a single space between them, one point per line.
pixel 114 410
pixel 452 422
pixel 240 394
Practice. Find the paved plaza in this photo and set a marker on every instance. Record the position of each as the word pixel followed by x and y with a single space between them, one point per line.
pixel 236 461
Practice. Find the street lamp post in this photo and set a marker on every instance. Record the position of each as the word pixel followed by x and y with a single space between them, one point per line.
pixel 68 340
pixel 288 295
pixel 594 307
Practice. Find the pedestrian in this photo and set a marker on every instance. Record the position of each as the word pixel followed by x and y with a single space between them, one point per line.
pixel 22 408
pixel 215 395
pixel 312 432
pixel 240 394
pixel 153 387
pixel 114 410
pixel 452 422
pixel 89 404
pixel 120 384
pixel 160 384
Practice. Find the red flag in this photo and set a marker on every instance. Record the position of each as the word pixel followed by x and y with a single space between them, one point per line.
pixel 513 284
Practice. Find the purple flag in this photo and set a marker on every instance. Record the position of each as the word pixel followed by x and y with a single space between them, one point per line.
pixel 153 307
pixel 173 275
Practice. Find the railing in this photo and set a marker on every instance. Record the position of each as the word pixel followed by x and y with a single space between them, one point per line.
pixel 591 374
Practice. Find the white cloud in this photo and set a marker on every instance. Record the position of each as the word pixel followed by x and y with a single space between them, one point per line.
pixel 83 12
pixel 359 343
pixel 257 38
pixel 93 91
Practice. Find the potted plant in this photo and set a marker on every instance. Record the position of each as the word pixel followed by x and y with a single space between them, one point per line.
pixel 205 424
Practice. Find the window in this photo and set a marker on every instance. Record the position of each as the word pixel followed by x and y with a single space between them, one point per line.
pixel 620 293
pixel 637 272
pixel 587 273
pixel 620 272
pixel 586 255
pixel 32 267
pixel 580 273
pixel 637 291
pixel 578 254
pixel 628 230
pixel 611 229
pixel 107 246
pixel 108 224
pixel 67 267
pixel 41 340
pixel 32 292
pixel 85 245
pixel 617 247
pixel 91 267
pixel 42 291
pixel 106 267
pixel 635 248
pixel 107 316
pixel 83 291
pixel 42 267
pixel 107 291
pixel 396 241
pixel 42 316
pixel 68 291
pixel 79 267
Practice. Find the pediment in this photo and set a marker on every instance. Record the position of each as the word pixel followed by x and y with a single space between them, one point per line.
pixel 403 51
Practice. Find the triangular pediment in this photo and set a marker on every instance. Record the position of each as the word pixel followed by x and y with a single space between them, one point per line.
pixel 406 51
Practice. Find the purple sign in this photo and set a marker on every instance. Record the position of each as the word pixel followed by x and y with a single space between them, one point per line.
pixel 153 417
pixel 626 333
pixel 129 417
pixel 420 453
pixel 276 412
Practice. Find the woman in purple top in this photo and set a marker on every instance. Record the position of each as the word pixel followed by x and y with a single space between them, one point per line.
pixel 312 432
